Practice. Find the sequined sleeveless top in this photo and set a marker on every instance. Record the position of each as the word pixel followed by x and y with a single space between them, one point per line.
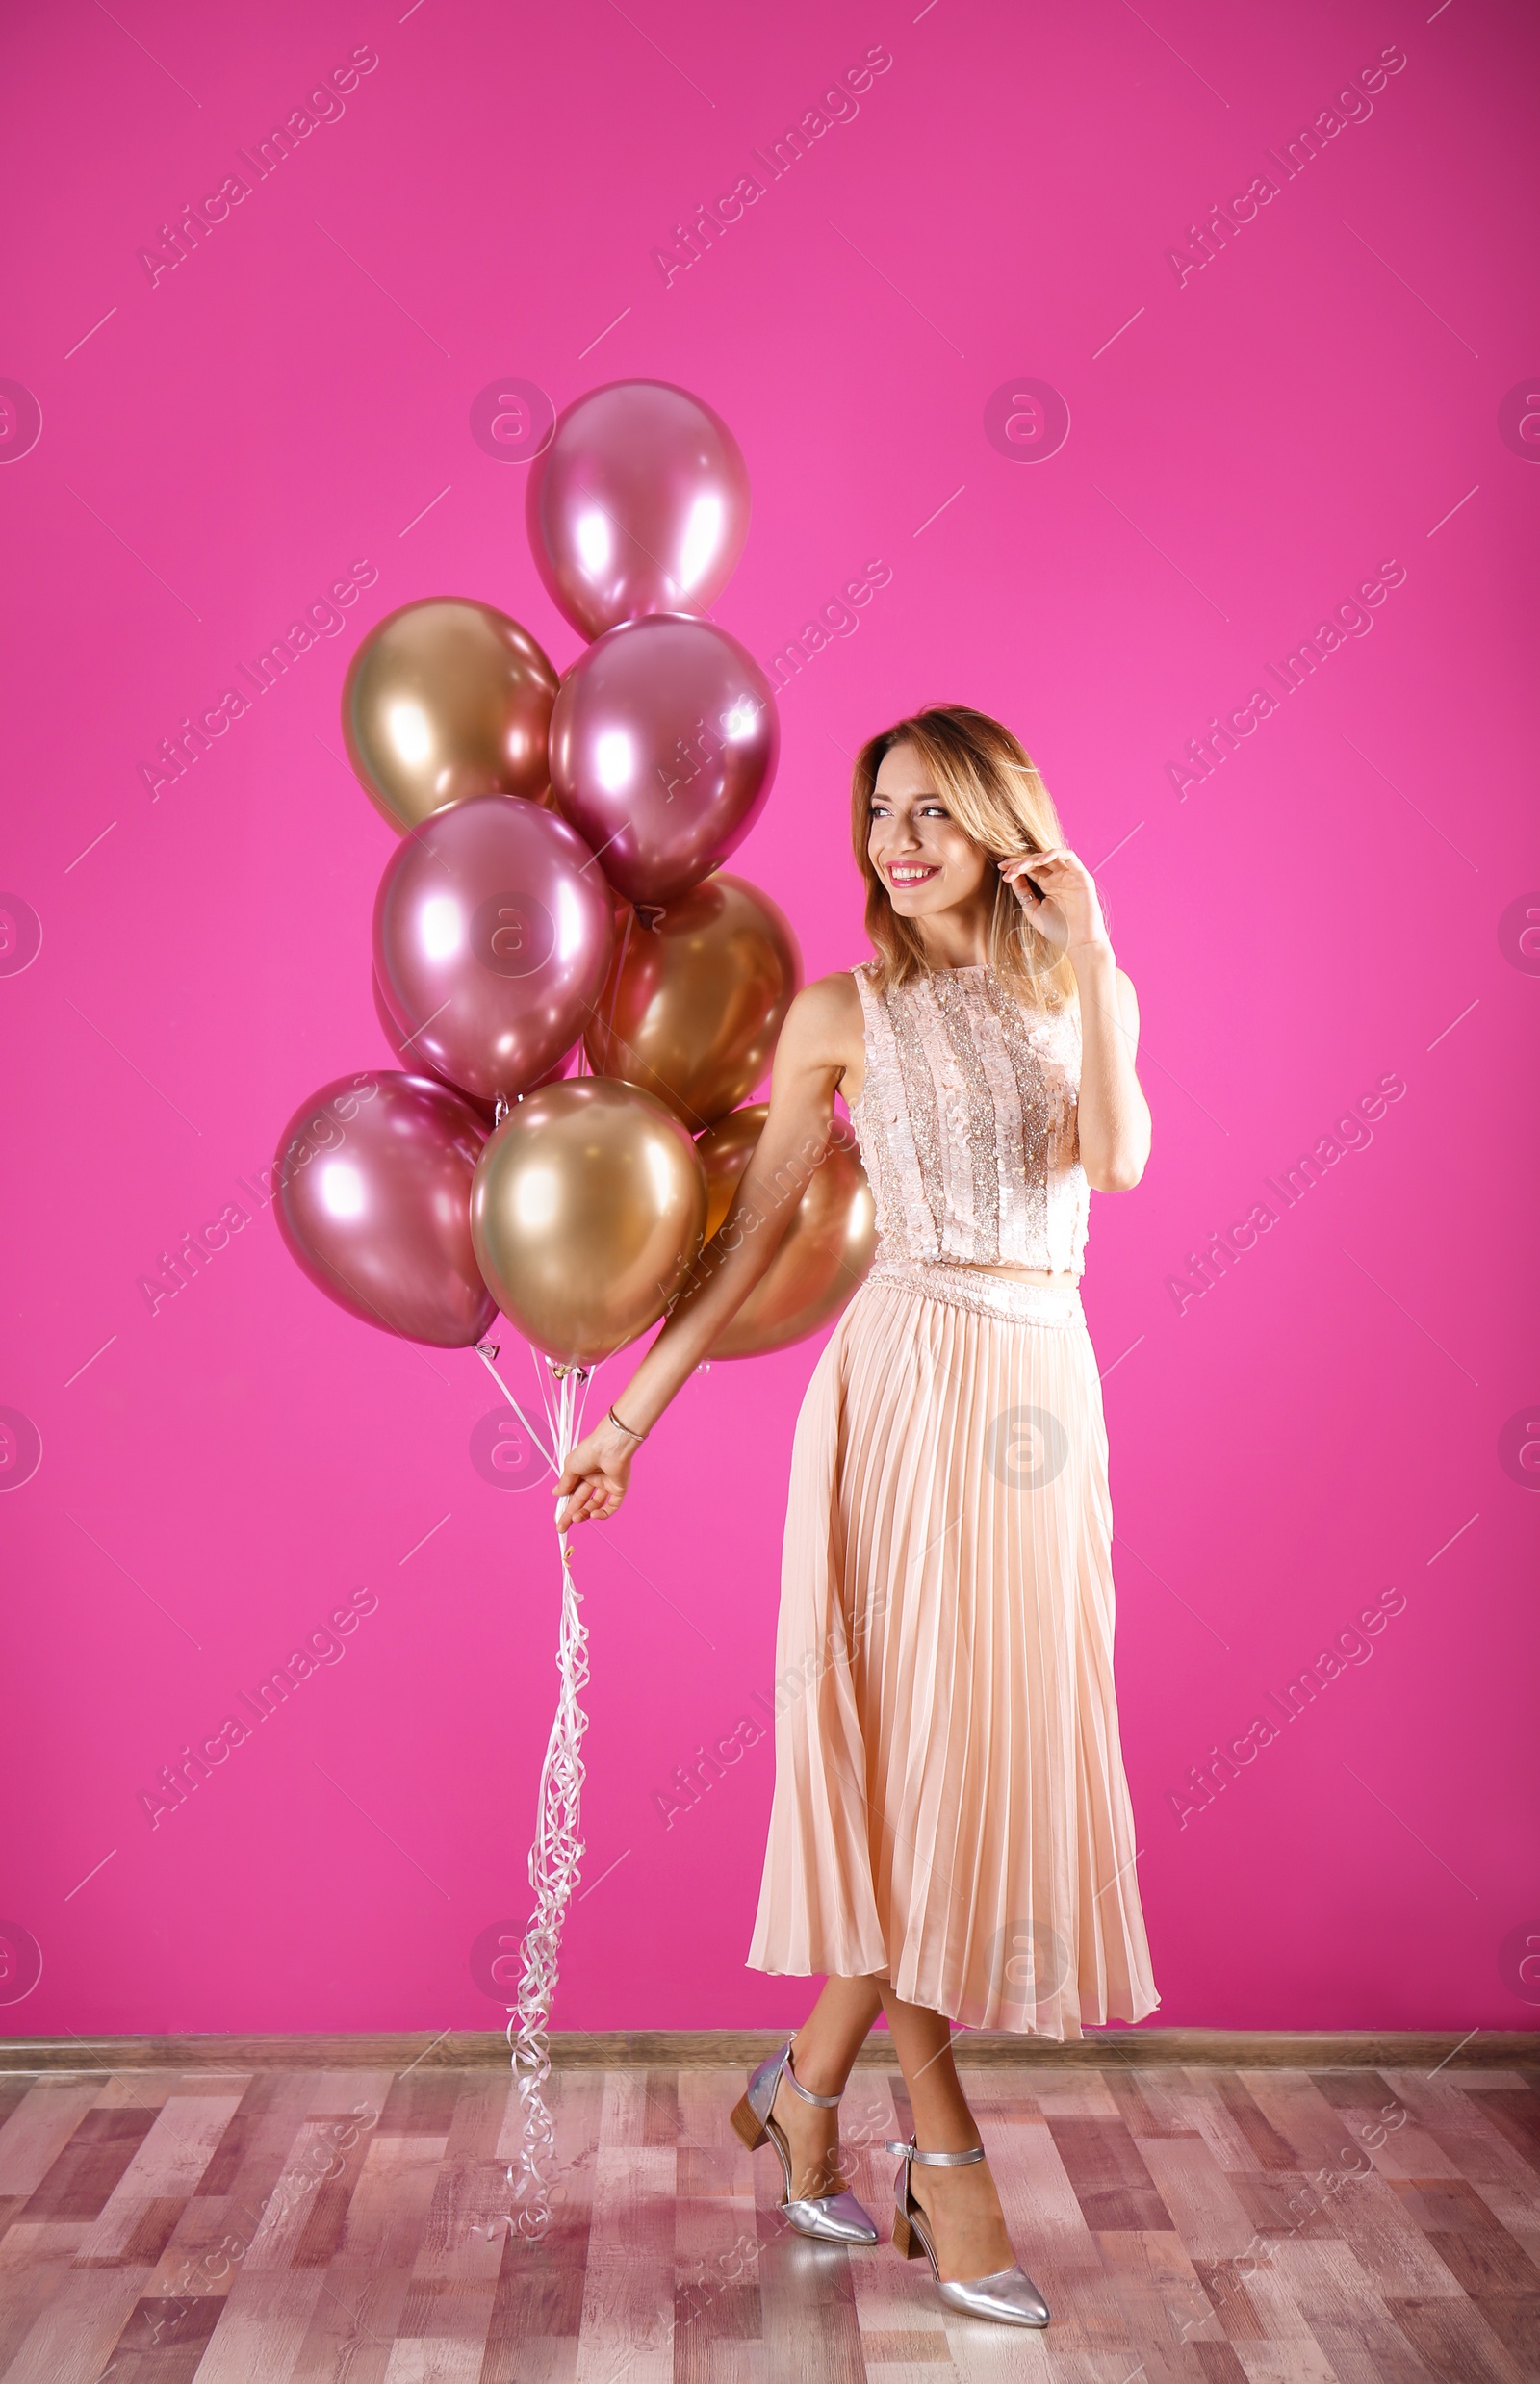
pixel 969 1123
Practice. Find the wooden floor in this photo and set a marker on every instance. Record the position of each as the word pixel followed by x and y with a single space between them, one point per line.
pixel 1282 2226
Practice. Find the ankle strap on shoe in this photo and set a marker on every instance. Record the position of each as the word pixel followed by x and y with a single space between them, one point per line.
pixel 825 2102
pixel 936 2160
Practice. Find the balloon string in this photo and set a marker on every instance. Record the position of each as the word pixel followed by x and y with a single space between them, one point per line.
pixel 555 1859
pixel 486 1361
pixel 545 1400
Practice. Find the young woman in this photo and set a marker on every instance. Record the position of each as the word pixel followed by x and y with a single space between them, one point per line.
pixel 951 1837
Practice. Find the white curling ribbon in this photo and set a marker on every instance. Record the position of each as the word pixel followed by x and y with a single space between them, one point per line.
pixel 554 1855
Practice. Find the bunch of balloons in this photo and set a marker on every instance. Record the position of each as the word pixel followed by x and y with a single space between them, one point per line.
pixel 582 998
pixel 558 897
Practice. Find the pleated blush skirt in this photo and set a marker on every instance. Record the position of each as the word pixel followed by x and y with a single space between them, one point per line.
pixel 951 1812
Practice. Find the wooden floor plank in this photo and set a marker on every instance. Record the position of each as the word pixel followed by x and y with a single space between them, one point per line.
pixel 163 2342
pixel 628 2283
pixel 142 2210
pixel 1347 2316
pixel 217 2228
pixel 1515 2321
pixel 34 2260
pixel 441 2334
pixel 1058 2250
pixel 1199 2195
pixel 1142 2113
pixel 1518 2115
pixel 1455 2343
pixel 536 2319
pixel 1252 2298
pixel 717 2302
pixel 262 2326
pixel 389 2206
pixel 807 2317
pixel 1111 2182
pixel 1477 2250
pixel 1468 2147
pixel 71 2340
pixel 354 2321
pixel 243 2130
pixel 90 2165
pixel 480 2110
pixel 1215 2120
pixel 1269 2150
pixel 1284 2362
pixel 1374 2117
pixel 1159 2291
pixel 14 2087
pixel 37 2129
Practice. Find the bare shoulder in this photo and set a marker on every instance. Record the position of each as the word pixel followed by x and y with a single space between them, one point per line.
pixel 824 1036
pixel 824 1024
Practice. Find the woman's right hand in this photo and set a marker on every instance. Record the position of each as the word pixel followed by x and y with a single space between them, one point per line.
pixel 595 1477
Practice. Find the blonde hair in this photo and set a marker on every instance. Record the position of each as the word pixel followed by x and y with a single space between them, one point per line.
pixel 994 792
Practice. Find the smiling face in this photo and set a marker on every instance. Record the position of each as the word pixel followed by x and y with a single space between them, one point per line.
pixel 925 862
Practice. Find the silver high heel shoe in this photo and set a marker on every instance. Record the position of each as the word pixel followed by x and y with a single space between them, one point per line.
pixel 1007 2295
pixel 829 2218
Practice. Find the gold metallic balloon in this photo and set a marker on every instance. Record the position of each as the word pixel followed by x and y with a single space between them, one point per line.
pixel 826 1249
pixel 444 699
pixel 586 1214
pixel 694 1003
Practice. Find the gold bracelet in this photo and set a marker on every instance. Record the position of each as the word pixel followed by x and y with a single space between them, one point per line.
pixel 626 1428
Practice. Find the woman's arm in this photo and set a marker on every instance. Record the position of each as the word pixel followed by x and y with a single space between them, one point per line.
pixel 1115 1120
pixel 818 1042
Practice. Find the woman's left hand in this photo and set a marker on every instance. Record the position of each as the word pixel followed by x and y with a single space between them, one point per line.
pixel 1070 910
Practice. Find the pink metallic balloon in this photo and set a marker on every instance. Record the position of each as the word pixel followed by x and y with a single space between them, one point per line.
pixel 373 1192
pixel 663 744
pixel 639 505
pixel 486 1110
pixel 493 928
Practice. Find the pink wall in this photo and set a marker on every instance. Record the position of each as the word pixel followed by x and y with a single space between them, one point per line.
pixel 1336 397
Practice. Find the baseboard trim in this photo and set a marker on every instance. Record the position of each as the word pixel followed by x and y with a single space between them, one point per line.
pixel 738 2048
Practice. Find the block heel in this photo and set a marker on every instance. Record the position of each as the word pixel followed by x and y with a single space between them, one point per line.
pixel 747 2124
